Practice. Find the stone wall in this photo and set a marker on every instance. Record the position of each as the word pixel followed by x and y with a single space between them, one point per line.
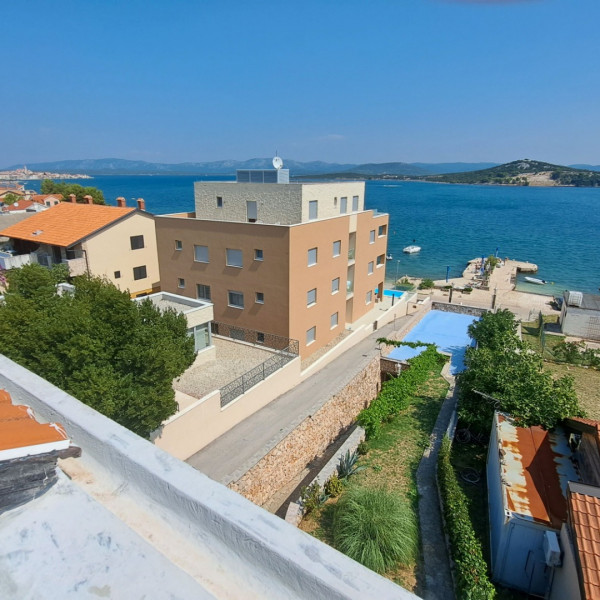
pixel 459 308
pixel 310 438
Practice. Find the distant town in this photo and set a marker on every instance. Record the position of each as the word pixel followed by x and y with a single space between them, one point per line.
pixel 26 174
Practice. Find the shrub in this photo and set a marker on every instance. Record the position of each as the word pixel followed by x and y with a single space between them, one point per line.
pixel 347 465
pixel 312 497
pixel 362 447
pixel 334 486
pixel 426 284
pixel 471 570
pixel 376 528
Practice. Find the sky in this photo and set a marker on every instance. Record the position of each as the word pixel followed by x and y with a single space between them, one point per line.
pixel 336 80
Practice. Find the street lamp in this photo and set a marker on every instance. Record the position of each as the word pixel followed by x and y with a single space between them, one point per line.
pixel 396 280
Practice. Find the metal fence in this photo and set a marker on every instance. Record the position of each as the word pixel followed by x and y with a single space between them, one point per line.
pixel 268 340
pixel 239 386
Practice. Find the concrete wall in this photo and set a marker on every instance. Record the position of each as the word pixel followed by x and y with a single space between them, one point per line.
pixel 109 250
pixel 194 427
pixel 459 309
pixel 581 323
pixel 310 438
pixel 235 548
pixel 329 197
pixel 566 581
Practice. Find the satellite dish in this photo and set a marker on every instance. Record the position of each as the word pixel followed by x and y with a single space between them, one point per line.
pixel 277 162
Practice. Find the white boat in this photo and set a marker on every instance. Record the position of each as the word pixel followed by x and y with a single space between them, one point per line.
pixel 389 257
pixel 535 280
pixel 411 249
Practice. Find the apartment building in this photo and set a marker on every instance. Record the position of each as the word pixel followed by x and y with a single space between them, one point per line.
pixel 299 260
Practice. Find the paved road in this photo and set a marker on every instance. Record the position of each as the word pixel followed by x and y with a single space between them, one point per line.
pixel 230 456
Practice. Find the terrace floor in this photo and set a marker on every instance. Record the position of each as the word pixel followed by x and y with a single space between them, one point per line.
pixel 213 369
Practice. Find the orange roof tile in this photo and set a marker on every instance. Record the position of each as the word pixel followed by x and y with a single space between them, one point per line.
pixel 66 223
pixel 21 435
pixel 585 520
pixel 18 205
pixel 40 198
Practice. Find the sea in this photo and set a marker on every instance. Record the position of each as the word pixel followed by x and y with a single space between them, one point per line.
pixel 556 228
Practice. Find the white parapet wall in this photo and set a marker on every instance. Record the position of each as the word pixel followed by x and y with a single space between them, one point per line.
pixel 239 550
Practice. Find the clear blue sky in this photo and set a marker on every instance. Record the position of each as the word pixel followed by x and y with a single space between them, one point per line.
pixel 334 80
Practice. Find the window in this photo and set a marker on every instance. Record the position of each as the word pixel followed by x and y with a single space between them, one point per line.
pixel 235 299
pixel 219 201
pixel 370 268
pixel 313 209
pixel 234 258
pixel 372 236
pixel 203 292
pixel 312 257
pixel 201 254
pixel 178 245
pixel 369 297
pixel 354 203
pixel 260 337
pixel 380 260
pixel 311 297
pixel 251 211
pixel 343 206
pixel 382 230
pixel 139 272
pixel 333 320
pixel 180 282
pixel 117 274
pixel 337 248
pixel 137 242
pixel 260 298
pixel 311 335
pixel 258 254
pixel 335 285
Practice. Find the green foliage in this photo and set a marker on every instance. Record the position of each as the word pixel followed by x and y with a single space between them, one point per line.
pixel 362 447
pixel 10 199
pixel 426 284
pixel 397 393
pixel 115 355
pixel 471 570
pixel 312 497
pixel 347 465
pixel 55 187
pixel 376 528
pixel 576 353
pixel 504 373
pixel 491 263
pixel 334 486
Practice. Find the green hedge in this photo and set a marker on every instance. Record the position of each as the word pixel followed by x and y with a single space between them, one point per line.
pixel 471 570
pixel 397 393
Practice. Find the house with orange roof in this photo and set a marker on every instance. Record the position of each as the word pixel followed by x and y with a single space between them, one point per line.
pixel 48 200
pixel 114 242
pixel 23 206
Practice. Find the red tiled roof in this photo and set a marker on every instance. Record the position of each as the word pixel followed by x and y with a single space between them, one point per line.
pixel 585 521
pixel 41 198
pixel 66 223
pixel 21 435
pixel 18 205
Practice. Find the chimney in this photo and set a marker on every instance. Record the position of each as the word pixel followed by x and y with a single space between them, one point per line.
pixel 88 199
pixel 72 198
pixel 141 204
pixel 121 202
pixel 28 454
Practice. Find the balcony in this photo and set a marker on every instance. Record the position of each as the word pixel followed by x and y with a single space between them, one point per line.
pixel 14 261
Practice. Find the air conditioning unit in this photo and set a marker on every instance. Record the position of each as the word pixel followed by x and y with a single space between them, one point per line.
pixel 551 549
pixel 574 298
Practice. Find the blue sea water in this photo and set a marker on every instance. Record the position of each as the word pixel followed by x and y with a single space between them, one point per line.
pixel 556 228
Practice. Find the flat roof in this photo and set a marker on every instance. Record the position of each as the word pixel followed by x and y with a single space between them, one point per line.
pixel 535 468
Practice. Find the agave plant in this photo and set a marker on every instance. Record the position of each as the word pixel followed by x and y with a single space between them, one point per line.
pixel 347 465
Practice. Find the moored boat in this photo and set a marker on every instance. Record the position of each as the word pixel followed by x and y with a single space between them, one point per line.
pixel 535 280
pixel 388 257
pixel 411 249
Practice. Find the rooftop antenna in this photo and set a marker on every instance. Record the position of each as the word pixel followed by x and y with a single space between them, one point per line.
pixel 277 162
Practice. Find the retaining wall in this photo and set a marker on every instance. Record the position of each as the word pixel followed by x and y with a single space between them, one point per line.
pixel 311 437
pixel 459 308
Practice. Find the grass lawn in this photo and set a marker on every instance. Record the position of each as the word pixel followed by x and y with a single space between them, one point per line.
pixel 391 462
pixel 587 385
pixel 530 334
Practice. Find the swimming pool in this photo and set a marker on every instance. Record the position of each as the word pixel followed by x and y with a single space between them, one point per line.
pixel 448 331
pixel 393 293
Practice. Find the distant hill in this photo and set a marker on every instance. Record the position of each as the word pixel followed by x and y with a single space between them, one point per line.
pixel 586 167
pixel 524 172
pixel 120 166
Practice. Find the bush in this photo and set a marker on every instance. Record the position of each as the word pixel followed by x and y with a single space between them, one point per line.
pixel 471 570
pixel 347 465
pixel 426 284
pixel 397 393
pixel 376 528
pixel 362 447
pixel 334 486
pixel 312 497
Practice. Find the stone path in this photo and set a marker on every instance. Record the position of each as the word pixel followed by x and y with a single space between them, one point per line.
pixel 438 579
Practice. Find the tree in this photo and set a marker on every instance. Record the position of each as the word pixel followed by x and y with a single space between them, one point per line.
pixel 504 373
pixel 116 355
pixel 66 189
pixel 11 199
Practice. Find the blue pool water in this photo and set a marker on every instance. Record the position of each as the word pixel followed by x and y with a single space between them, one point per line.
pixel 448 331
pixel 394 293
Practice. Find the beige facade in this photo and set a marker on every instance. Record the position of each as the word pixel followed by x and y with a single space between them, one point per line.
pixel 301 263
